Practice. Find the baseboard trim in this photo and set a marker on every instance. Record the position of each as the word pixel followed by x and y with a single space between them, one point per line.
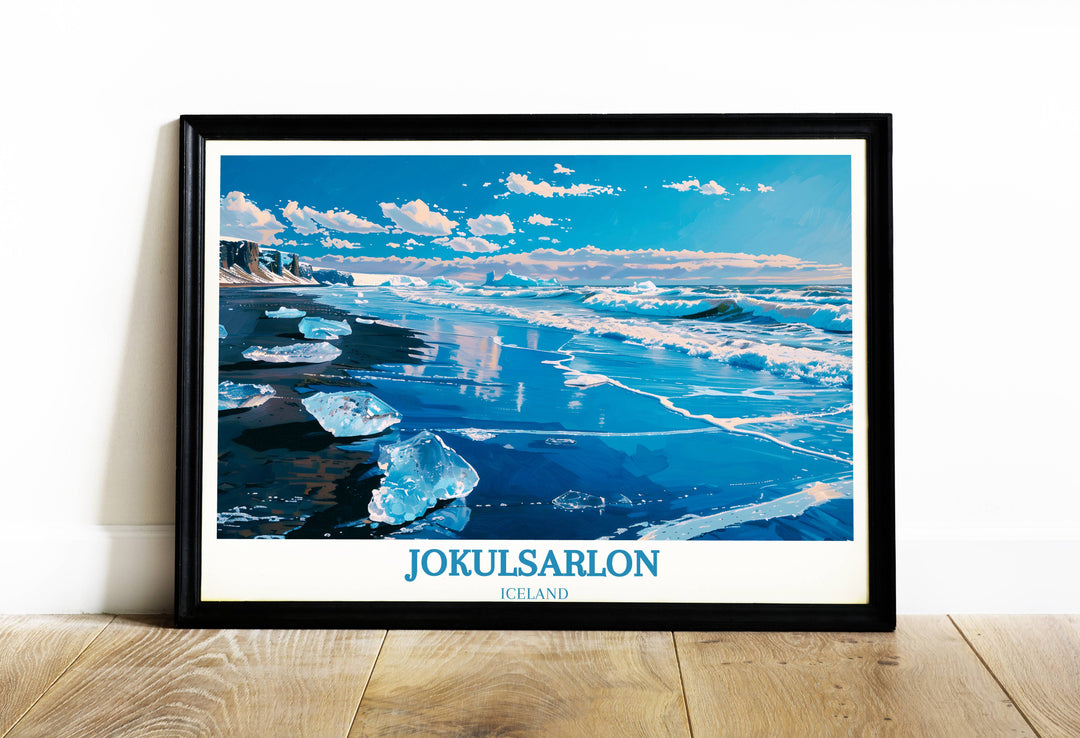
pixel 87 569
pixel 1007 574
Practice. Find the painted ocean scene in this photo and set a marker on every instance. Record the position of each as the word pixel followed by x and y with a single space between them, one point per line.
pixel 530 347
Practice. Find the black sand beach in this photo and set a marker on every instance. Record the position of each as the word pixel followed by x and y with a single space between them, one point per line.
pixel 275 460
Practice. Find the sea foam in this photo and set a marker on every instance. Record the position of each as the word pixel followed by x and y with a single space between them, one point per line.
pixel 793 362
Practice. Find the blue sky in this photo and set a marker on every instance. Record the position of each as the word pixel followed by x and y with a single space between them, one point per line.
pixel 593 219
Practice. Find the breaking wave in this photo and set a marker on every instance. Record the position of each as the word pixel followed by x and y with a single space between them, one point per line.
pixel 690 337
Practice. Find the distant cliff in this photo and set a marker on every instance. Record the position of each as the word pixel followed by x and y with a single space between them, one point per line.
pixel 245 262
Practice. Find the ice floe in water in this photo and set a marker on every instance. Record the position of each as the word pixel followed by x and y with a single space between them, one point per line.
pixel 560 442
pixel 232 396
pixel 403 280
pixel 284 312
pixel 355 413
pixel 475 434
pixel 574 500
pixel 294 353
pixel 323 328
pixel 221 332
pixel 417 474
pixel 586 380
pixel 692 526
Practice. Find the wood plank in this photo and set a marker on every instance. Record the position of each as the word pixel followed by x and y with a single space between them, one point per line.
pixel 34 651
pixel 922 680
pixel 523 683
pixel 142 678
pixel 1037 660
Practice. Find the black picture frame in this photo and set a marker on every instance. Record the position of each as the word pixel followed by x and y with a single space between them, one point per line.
pixel 876 613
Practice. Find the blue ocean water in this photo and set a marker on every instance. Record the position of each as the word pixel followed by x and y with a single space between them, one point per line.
pixel 716 412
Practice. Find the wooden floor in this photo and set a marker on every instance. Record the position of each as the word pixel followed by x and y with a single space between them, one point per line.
pixel 935 676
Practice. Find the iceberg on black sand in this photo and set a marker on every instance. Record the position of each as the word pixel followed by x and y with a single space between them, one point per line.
pixel 346 414
pixel 284 312
pixel 294 353
pixel 233 396
pixel 323 328
pixel 417 474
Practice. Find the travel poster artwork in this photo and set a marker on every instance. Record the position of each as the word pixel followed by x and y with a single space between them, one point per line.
pixel 619 347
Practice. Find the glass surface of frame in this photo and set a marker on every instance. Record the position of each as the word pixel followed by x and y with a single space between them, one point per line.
pixel 536 371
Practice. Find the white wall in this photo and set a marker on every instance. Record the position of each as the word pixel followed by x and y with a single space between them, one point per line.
pixel 987 123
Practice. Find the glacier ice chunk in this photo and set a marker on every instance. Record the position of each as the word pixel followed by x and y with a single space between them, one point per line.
pixel 417 474
pixel 294 353
pixel 284 312
pixel 516 280
pixel 323 328
pixel 574 500
pixel 221 332
pixel 355 413
pixel 232 396
pixel 445 522
pixel 403 280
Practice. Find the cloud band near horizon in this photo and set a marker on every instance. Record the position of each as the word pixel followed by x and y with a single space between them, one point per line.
pixel 589 264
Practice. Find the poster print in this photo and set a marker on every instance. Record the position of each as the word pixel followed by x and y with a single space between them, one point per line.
pixel 538 371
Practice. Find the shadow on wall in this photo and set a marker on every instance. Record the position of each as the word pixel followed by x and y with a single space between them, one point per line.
pixel 139 482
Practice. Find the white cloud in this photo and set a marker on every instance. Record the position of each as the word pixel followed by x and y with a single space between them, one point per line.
pixel 521 185
pixel 743 188
pixel 537 219
pixel 241 218
pixel 346 222
pixel 486 184
pixel 306 220
pixel 301 222
pixel 684 185
pixel 337 243
pixel 417 218
pixel 764 188
pixel 560 169
pixel 484 225
pixel 469 244
pixel 590 263
pixel 709 188
pixel 412 242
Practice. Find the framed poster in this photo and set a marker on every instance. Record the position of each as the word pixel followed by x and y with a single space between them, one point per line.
pixel 590 372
